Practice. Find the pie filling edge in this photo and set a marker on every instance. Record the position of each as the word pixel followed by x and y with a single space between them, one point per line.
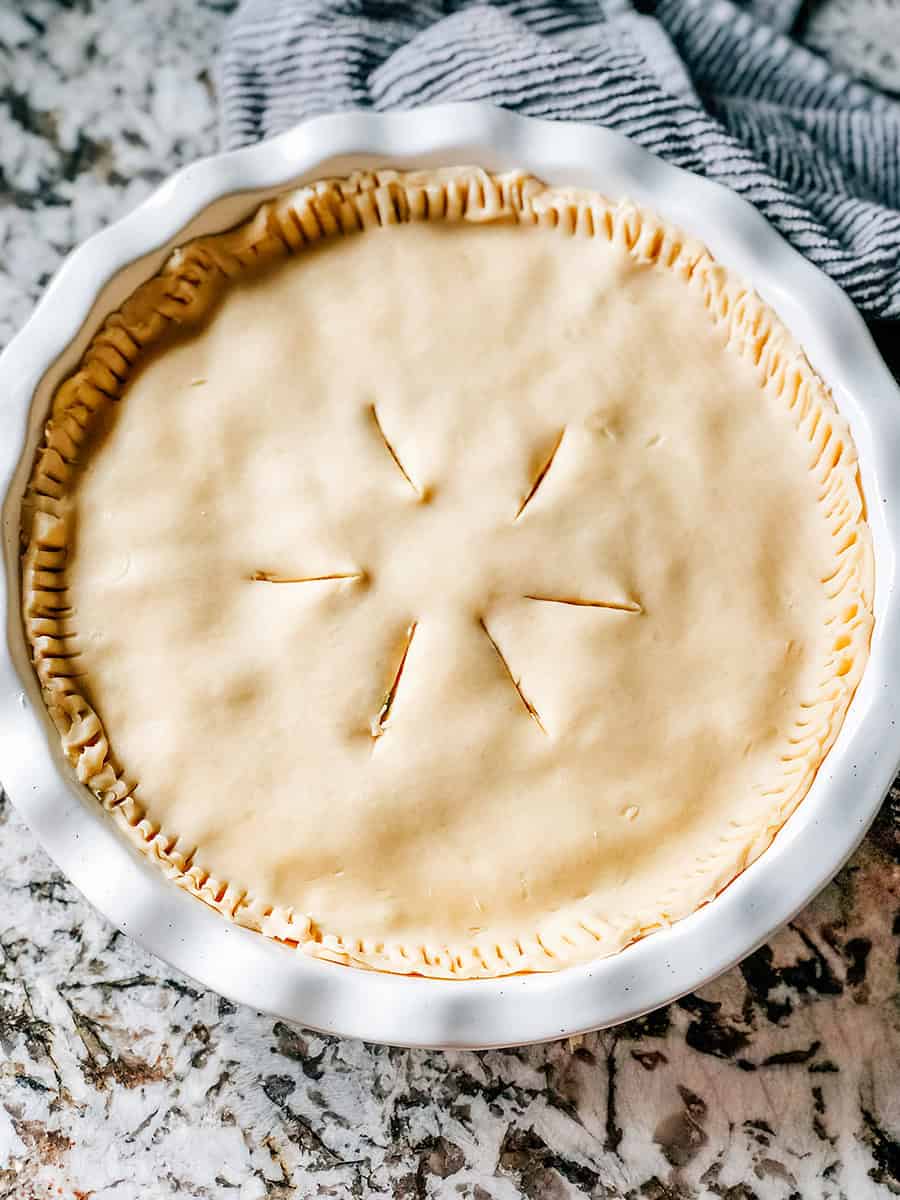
pixel 183 293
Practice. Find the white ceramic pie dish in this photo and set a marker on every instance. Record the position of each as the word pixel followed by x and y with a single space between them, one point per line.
pixel 212 195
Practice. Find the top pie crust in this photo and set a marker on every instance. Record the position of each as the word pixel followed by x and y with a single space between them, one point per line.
pixel 469 597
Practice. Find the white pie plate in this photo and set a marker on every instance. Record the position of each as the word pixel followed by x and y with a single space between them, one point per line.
pixel 212 195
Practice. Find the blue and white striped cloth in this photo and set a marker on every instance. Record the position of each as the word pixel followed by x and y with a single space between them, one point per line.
pixel 712 87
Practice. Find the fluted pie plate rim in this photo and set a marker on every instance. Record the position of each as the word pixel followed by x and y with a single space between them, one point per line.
pixel 214 194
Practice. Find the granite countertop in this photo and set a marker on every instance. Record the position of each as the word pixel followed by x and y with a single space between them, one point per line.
pixel 120 1078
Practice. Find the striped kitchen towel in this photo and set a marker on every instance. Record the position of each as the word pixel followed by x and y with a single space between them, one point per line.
pixel 713 87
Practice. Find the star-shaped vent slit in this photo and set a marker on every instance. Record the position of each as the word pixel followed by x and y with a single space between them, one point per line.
pixel 381 721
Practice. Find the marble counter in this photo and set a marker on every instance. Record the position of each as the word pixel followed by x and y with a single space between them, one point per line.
pixel 122 1079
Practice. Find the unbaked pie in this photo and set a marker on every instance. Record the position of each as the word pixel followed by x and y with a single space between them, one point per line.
pixel 447 573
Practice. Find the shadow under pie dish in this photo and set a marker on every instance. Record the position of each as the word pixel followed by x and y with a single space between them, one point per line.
pixel 447 573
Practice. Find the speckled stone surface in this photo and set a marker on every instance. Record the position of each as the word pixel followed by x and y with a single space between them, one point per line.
pixel 120 1079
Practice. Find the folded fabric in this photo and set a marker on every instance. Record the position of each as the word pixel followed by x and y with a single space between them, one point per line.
pixel 708 86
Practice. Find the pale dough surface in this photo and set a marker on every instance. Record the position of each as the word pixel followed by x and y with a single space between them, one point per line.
pixel 677 489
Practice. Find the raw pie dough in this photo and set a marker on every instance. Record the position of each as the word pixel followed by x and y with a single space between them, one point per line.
pixel 469 595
